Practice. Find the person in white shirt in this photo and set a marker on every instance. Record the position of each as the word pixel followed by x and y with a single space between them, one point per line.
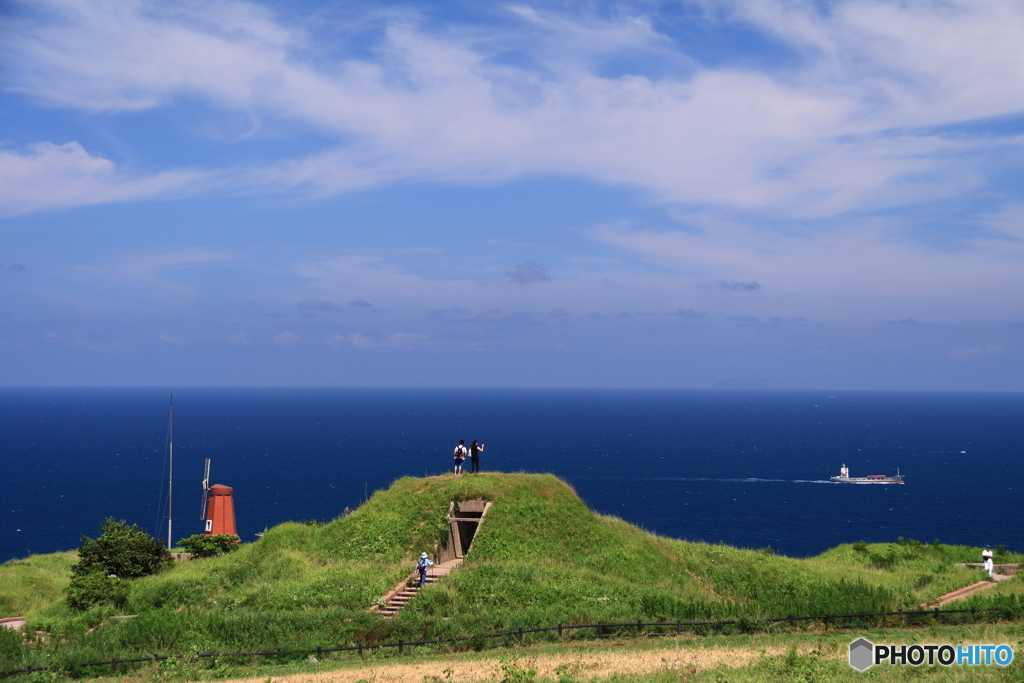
pixel 422 565
pixel 986 557
pixel 460 455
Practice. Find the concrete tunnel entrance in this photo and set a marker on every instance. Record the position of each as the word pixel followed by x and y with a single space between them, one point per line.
pixel 464 519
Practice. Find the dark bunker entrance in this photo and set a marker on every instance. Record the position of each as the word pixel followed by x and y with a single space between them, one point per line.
pixel 464 519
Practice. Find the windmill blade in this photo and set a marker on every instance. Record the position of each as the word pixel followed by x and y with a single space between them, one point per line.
pixel 206 489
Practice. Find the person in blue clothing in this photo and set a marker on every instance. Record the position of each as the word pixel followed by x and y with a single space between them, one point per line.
pixel 422 566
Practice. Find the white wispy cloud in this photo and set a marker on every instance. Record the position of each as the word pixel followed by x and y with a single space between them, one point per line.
pixel 149 276
pixel 850 126
pixel 172 339
pixel 971 352
pixel 861 270
pixel 49 176
pixel 401 341
pixel 286 338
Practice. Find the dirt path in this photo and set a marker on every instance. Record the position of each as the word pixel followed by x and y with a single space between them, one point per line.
pixel 960 594
pixel 12 622
pixel 586 664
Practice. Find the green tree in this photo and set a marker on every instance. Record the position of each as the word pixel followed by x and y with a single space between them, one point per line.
pixel 104 564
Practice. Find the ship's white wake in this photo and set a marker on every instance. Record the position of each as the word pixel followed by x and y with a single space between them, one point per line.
pixel 744 480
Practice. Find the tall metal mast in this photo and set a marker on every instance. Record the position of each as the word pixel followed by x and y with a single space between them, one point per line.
pixel 170 481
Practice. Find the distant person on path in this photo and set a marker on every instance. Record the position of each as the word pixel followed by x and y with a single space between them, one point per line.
pixel 986 557
pixel 422 565
pixel 475 449
pixel 460 455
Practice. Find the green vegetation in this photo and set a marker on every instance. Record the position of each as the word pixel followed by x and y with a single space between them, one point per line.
pixel 209 546
pixel 541 558
pixel 107 564
pixel 33 583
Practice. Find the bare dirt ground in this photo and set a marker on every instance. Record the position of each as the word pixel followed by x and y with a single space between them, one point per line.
pixel 586 664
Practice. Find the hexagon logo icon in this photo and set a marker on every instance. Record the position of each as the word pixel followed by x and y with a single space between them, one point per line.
pixel 862 654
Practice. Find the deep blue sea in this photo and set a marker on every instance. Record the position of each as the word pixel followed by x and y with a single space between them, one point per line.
pixel 750 469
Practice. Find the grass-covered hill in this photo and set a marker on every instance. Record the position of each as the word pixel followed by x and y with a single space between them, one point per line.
pixel 541 558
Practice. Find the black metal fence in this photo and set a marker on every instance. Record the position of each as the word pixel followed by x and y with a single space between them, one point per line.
pixel 601 630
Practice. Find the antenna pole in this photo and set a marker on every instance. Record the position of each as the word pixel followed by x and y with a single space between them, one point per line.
pixel 170 482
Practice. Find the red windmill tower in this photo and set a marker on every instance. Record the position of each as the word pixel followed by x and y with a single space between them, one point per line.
pixel 218 507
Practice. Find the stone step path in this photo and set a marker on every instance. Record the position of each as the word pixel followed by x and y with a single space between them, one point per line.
pixel 403 593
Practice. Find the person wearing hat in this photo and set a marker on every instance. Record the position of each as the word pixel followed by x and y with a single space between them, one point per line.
pixel 422 566
pixel 986 557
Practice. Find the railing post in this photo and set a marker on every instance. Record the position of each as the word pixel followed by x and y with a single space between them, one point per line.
pixel 600 630
pixel 520 634
pixel 360 647
pixel 679 627
pixel 399 647
pixel 113 665
pixel 559 629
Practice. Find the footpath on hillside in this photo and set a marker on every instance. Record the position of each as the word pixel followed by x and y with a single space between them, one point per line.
pixel 968 591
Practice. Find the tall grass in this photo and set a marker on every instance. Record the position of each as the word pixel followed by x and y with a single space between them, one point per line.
pixel 34 582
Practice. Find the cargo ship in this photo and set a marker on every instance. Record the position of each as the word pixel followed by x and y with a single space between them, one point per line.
pixel 845 478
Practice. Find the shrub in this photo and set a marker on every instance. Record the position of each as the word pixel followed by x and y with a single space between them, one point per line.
pixel 127 552
pixel 96 588
pixel 886 561
pixel 121 552
pixel 208 546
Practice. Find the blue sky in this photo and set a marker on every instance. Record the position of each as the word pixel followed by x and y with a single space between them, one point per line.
pixel 679 194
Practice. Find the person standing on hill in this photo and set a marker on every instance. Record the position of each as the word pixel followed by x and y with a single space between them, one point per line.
pixel 422 565
pixel 986 557
pixel 475 449
pixel 460 455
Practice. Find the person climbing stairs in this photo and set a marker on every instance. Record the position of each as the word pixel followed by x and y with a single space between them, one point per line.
pixel 404 592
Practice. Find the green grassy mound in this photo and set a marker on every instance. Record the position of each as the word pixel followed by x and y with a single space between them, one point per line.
pixel 34 582
pixel 541 558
